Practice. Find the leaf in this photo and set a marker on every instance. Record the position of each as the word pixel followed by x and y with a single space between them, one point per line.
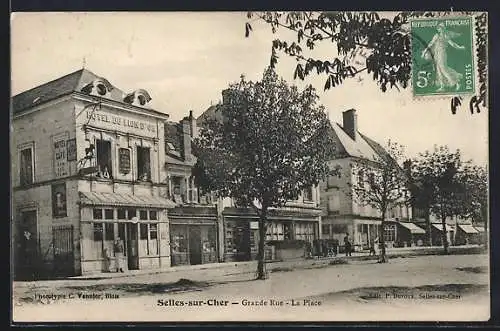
pixel 248 28
pixel 327 84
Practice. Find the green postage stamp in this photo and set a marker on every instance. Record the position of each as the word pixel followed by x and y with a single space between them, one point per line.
pixel 443 56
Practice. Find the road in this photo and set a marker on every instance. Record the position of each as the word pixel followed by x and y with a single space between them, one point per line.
pixel 424 288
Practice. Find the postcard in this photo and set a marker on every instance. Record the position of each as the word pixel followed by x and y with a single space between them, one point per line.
pixel 249 167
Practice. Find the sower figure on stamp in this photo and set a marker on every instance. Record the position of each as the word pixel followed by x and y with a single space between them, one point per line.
pixel 445 75
pixel 118 248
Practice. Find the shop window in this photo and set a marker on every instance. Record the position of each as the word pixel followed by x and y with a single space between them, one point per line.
pixel 287 231
pixel 109 214
pixel 390 232
pixel 178 238
pixel 104 159
pixel 153 215
pixel 143 163
pixel 97 231
pixel 143 214
pixel 97 214
pixel 121 231
pixel 121 214
pixel 109 231
pixel 153 231
pixel 26 170
pixel 143 231
pixel 131 213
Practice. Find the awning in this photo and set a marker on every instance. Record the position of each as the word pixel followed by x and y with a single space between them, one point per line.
pixel 124 200
pixel 413 228
pixel 439 226
pixel 467 228
pixel 479 228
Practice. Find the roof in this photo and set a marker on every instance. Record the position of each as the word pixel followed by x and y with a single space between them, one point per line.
pixel 175 136
pixel 412 227
pixel 468 228
pixel 73 82
pixel 210 113
pixel 355 148
pixel 124 200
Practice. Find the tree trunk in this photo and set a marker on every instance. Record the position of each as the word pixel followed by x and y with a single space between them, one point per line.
pixel 428 226
pixel 261 273
pixel 382 257
pixel 444 234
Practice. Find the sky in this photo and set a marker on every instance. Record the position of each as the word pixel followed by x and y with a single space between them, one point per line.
pixel 185 59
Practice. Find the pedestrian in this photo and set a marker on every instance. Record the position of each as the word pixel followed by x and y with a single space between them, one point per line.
pixel 118 249
pixel 347 245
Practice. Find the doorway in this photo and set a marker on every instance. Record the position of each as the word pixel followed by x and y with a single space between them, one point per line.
pixel 27 252
pixel 194 245
pixel 132 246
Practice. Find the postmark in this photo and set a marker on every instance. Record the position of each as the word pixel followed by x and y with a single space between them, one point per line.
pixel 443 56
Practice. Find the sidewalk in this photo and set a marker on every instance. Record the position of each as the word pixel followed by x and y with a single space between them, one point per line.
pixel 249 266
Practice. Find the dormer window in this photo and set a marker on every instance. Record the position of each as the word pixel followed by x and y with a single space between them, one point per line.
pixel 138 98
pixel 100 87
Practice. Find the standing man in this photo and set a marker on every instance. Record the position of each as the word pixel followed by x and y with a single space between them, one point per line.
pixel 347 245
pixel 118 248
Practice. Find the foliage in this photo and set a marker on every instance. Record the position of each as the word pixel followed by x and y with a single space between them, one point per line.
pixel 268 148
pixel 381 184
pixel 266 144
pixel 364 41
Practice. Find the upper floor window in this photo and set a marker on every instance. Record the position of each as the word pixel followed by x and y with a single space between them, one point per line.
pixel 26 169
pixel 143 163
pixel 308 194
pixel 104 159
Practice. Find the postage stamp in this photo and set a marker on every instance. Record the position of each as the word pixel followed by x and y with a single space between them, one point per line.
pixel 442 56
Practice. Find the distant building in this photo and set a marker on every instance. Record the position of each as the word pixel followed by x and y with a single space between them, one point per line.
pixel 341 213
pixel 87 169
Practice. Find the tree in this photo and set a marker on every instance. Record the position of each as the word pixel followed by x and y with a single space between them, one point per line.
pixel 363 41
pixel 445 192
pixel 474 180
pixel 269 146
pixel 384 184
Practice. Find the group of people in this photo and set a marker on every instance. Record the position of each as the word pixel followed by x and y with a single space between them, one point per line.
pixel 374 248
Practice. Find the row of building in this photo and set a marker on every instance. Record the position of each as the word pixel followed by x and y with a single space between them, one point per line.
pixel 92 164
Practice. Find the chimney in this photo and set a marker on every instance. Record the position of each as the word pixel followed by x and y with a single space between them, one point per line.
pixel 186 138
pixel 193 128
pixel 350 123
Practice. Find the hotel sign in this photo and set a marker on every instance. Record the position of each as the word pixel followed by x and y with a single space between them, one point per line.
pixel 120 121
pixel 124 160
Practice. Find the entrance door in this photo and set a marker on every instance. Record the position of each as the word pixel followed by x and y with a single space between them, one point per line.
pixel 132 246
pixel 64 258
pixel 194 245
pixel 27 253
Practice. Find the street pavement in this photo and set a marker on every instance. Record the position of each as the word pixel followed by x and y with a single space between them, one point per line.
pixel 420 288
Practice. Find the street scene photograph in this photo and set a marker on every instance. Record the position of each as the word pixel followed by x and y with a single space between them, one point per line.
pixel 249 167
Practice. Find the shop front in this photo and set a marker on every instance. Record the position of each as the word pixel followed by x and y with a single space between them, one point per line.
pixel 193 235
pixel 289 234
pixel 138 223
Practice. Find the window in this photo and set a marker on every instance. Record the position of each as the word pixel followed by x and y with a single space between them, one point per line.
pixel 121 214
pixel 334 203
pixel 109 231
pixel 153 231
pixel 287 229
pixel 176 185
pixel 361 177
pixel 192 196
pixel 308 194
pixel 121 231
pixel 26 170
pixel 101 89
pixel 153 215
pixel 143 163
pixel 97 231
pixel 104 160
pixel 109 214
pixel 97 214
pixel 131 213
pixel 390 232
pixel 143 214
pixel 325 228
pixel 144 231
